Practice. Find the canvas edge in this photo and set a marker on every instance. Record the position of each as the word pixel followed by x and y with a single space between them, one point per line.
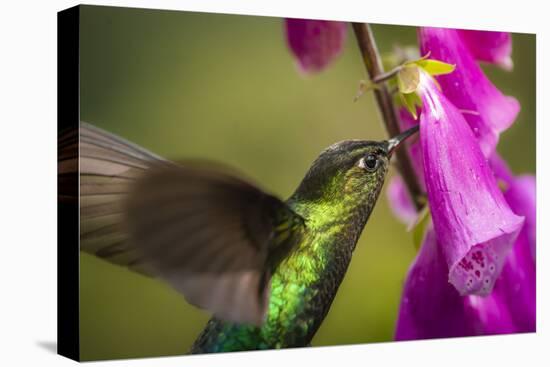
pixel 68 261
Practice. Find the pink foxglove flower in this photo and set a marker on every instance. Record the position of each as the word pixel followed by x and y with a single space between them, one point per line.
pixel 490 47
pixel 474 225
pixel 517 283
pixel 487 110
pixel 432 308
pixel 315 43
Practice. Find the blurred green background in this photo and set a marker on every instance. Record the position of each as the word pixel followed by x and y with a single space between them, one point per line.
pixel 225 87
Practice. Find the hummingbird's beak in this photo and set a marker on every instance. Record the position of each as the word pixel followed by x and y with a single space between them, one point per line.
pixel 394 142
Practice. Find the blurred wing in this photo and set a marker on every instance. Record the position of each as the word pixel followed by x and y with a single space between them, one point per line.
pixel 215 238
pixel 107 166
pixel 212 236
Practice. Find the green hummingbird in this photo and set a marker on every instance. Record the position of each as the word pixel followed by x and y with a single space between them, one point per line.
pixel 267 269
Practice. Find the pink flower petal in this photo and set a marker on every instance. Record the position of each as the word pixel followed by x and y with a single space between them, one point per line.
pixel 491 47
pixel 398 195
pixel 500 169
pixel 432 308
pixel 520 193
pixel 406 121
pixel 315 43
pixel 489 315
pixel 521 196
pixel 474 224
pixel 489 111
pixel 400 201
pixel 517 283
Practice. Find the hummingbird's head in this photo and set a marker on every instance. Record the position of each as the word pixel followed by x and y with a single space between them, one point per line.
pixel 348 175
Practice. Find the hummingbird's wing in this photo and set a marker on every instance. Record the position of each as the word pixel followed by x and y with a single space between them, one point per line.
pixel 211 235
pixel 102 166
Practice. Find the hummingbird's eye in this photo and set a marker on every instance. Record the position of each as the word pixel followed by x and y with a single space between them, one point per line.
pixel 369 162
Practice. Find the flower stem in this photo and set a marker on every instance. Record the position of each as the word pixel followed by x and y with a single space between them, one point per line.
pixel 386 75
pixel 373 64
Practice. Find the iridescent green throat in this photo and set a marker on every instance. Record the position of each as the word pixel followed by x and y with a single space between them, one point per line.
pixel 305 283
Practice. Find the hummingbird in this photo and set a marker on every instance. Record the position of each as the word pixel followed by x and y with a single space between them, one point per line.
pixel 266 269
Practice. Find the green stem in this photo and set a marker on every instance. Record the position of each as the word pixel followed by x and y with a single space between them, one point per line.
pixel 373 64
pixel 384 77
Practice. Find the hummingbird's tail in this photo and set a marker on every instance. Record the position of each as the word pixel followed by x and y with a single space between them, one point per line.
pixel 95 169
